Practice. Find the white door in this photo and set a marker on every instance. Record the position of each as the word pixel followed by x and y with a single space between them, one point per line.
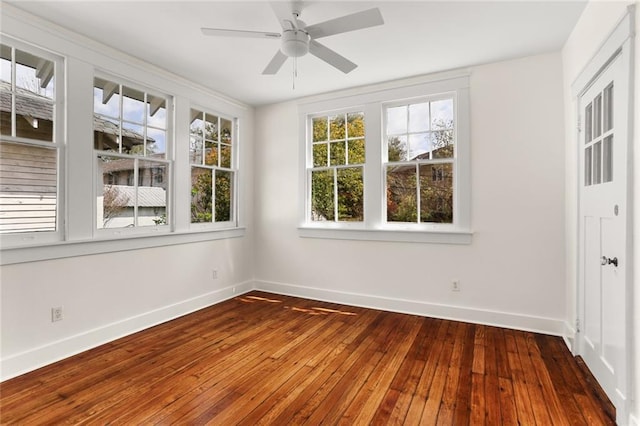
pixel 602 338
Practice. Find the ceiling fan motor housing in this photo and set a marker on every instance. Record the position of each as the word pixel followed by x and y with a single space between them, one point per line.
pixel 295 43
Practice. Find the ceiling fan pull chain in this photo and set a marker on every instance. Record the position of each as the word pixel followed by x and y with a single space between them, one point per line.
pixel 295 72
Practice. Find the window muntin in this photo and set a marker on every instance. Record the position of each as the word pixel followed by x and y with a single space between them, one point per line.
pixel 212 153
pixel 420 167
pixel 30 141
pixel 129 120
pixel 337 172
pixel 130 140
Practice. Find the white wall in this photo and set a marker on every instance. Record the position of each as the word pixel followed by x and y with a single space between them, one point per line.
pixel 513 272
pixel 595 24
pixel 108 295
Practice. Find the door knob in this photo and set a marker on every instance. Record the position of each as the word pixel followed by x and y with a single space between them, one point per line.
pixel 608 261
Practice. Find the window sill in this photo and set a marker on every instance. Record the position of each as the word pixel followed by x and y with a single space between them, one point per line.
pixel 453 236
pixel 64 249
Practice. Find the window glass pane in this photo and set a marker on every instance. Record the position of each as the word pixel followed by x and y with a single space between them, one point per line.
pixel 397 148
pixel 211 127
pixel 588 123
pixel 436 193
pixel 152 193
pixel 608 108
pixel 337 128
pixel 133 106
pixel 197 123
pixel 597 163
pixel 607 159
pixel 223 191
pixel 401 194
pixel 420 146
pixel 442 114
pixel 337 153
pixel 320 151
pixel 116 192
pixel 5 63
pixel 34 74
pixel 355 125
pixel 322 195
pixel 225 131
pixel 195 150
pixel 210 153
pixel 443 144
pixel 356 151
pixel 419 117
pixel 28 194
pixel 350 194
pixel 396 120
pixel 106 134
pixel 320 127
pixel 597 116
pixel 156 112
pixel 587 165
pixel 225 156
pixel 132 139
pixel 6 98
pixel 201 195
pixel 106 98
pixel 34 117
pixel 156 142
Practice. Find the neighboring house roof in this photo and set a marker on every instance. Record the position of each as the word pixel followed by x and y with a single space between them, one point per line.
pixel 31 104
pixel 148 196
pixel 126 164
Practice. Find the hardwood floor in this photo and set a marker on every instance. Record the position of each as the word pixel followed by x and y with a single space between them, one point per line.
pixel 270 359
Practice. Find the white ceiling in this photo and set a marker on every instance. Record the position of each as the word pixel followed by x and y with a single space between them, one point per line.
pixel 418 37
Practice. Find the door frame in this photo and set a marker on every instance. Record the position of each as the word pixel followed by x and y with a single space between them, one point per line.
pixel 620 42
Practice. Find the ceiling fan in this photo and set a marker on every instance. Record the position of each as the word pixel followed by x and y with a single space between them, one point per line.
pixel 298 39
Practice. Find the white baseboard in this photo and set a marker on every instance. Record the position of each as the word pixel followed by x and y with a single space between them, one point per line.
pixel 569 336
pixel 32 359
pixel 550 326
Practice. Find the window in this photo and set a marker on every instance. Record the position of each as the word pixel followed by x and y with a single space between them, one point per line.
pixel 413 184
pixel 213 173
pixel 420 138
pixel 30 141
pixel 337 186
pixel 130 141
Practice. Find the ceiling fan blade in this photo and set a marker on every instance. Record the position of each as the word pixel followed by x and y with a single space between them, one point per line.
pixel 332 58
pixel 275 64
pixel 355 21
pixel 221 32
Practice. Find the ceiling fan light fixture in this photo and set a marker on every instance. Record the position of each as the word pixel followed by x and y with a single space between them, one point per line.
pixel 295 43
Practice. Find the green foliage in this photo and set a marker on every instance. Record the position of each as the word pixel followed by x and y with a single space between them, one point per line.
pixel 397 150
pixel 202 195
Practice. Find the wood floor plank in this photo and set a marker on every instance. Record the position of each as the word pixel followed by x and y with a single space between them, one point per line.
pixel 265 359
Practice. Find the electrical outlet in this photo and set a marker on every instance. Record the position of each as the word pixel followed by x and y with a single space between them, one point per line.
pixel 56 314
pixel 455 285
pixel 214 274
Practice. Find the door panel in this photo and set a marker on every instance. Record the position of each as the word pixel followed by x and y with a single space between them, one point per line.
pixel 602 220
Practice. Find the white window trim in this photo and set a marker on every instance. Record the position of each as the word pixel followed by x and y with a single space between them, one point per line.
pixel 372 101
pixel 58 143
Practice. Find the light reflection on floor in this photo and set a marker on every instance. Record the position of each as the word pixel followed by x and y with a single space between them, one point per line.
pixel 310 311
